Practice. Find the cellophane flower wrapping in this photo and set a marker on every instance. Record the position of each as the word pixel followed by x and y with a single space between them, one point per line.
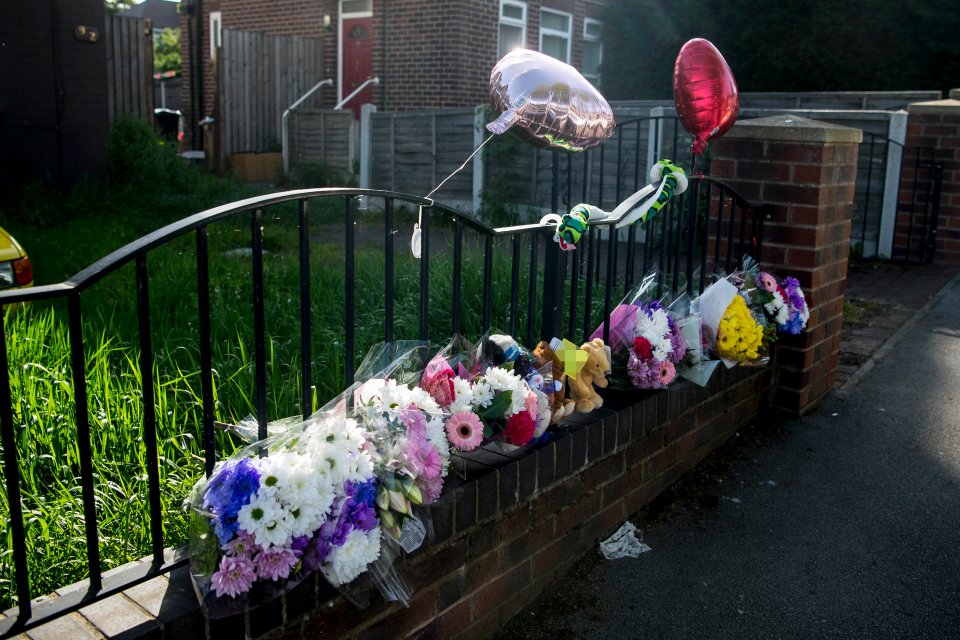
pixel 411 454
pixel 742 333
pixel 485 393
pixel 783 302
pixel 285 506
pixel 330 493
pixel 646 344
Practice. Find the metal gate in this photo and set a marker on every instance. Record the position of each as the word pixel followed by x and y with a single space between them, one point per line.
pixel 896 220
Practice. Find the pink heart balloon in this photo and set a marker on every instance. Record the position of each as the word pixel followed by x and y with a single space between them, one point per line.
pixel 704 92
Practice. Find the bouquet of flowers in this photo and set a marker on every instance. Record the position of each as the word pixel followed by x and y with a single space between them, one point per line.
pixel 488 397
pixel 783 302
pixel 657 348
pixel 645 339
pixel 285 506
pixel 410 452
pixel 733 320
pixel 740 336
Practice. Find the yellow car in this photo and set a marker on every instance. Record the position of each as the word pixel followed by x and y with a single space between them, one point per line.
pixel 15 267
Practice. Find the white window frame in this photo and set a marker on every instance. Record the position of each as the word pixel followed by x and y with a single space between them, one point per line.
pixel 216 32
pixel 568 34
pixel 587 37
pixel 513 22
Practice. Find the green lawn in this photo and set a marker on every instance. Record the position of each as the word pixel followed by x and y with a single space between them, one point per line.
pixel 63 234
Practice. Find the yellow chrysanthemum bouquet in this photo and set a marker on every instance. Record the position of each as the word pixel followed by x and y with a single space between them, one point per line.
pixel 739 336
pixel 733 321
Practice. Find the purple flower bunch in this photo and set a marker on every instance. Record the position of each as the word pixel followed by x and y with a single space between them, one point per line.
pixel 308 504
pixel 657 348
pixel 784 302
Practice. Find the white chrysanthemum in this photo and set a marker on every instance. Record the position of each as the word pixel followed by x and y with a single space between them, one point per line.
pixel 424 401
pixel 499 379
pixel 263 518
pixel 656 329
pixel 305 488
pixel 437 436
pixel 482 394
pixel 349 560
pixel 464 398
pixel 274 472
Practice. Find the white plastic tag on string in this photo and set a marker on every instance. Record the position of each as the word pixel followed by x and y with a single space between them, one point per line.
pixel 623 544
pixel 412 534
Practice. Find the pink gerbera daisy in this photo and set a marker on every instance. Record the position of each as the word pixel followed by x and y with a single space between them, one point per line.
pixel 235 576
pixel 464 430
pixel 667 373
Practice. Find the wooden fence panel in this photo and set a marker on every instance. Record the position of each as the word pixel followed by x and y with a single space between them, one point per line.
pixel 129 46
pixel 263 75
pixel 413 152
pixel 322 136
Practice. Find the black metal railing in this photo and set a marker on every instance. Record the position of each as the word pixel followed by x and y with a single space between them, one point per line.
pixel 566 294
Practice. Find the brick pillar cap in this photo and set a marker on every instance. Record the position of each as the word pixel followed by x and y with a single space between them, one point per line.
pixel 791 128
pixel 950 106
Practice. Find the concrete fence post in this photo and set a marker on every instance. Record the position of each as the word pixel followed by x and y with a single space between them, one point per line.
pixel 806 170
pixel 366 144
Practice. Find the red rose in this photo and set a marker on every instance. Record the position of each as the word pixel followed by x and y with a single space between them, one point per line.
pixel 642 346
pixel 520 428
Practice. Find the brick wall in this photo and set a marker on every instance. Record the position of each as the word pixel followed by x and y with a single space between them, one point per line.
pixel 499 537
pixel 805 171
pixel 933 136
pixel 428 54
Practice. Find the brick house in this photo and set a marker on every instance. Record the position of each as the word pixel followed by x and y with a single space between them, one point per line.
pixel 427 54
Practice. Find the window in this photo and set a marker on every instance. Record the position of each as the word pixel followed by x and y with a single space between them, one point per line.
pixel 555 30
pixel 356 8
pixel 513 26
pixel 592 49
pixel 216 35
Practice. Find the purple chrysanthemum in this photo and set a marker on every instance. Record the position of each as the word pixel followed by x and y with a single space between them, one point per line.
pixel 235 576
pixel 275 563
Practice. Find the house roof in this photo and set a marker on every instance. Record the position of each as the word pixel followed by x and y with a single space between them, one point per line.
pixel 163 13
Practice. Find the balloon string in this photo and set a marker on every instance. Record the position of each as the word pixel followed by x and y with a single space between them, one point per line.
pixel 458 169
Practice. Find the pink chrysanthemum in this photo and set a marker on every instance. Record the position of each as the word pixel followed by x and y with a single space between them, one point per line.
pixel 243 545
pixel 464 430
pixel 275 563
pixel 235 576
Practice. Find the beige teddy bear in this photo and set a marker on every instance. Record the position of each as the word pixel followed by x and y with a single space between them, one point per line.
pixel 594 372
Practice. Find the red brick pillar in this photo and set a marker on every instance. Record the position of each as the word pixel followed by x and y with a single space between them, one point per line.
pixel 933 141
pixel 806 171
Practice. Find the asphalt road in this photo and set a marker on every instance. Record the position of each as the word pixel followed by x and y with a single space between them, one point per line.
pixel 846 524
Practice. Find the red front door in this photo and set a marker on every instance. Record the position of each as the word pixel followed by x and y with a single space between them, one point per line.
pixel 356 61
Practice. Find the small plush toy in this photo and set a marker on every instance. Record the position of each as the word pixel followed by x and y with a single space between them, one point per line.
pixel 562 406
pixel 593 373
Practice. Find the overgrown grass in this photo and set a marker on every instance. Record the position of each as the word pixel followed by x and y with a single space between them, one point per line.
pixel 126 207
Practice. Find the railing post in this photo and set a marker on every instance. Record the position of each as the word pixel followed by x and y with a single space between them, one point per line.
pixel 554 269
